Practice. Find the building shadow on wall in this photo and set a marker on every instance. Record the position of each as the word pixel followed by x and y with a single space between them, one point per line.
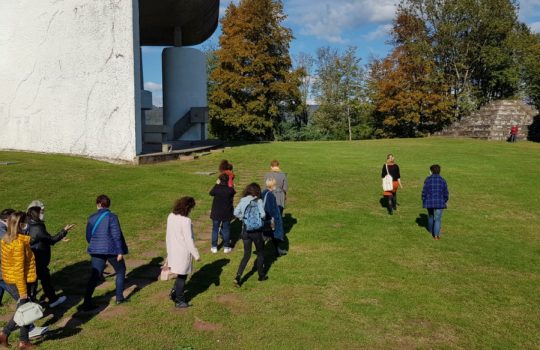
pixel 72 280
pixel 534 130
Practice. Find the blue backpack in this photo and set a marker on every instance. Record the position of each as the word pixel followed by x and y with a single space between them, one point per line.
pixel 252 217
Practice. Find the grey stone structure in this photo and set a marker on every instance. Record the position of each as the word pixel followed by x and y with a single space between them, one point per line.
pixel 494 120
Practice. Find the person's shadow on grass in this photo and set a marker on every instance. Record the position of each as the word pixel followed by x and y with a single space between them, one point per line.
pixel 422 221
pixel 73 279
pixel 207 275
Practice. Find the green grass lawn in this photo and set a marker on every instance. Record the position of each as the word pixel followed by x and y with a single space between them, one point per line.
pixel 355 277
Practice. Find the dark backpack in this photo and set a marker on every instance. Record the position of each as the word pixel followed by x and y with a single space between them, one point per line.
pixel 252 217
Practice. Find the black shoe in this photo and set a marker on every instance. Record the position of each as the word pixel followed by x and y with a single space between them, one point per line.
pixel 88 307
pixel 172 294
pixel 263 278
pixel 181 305
pixel 237 281
pixel 121 301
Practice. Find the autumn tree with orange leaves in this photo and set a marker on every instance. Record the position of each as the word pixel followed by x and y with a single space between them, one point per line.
pixel 254 84
pixel 409 94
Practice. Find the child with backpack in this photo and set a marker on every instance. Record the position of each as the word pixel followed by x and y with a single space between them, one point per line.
pixel 250 211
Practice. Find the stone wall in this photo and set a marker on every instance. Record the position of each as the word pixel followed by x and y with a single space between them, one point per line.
pixel 494 120
pixel 70 77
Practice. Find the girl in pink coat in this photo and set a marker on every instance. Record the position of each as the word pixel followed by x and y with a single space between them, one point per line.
pixel 181 248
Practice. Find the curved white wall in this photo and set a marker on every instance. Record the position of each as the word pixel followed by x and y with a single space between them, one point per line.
pixel 70 78
pixel 184 86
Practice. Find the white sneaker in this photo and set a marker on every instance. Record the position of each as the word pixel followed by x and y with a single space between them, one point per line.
pixel 213 250
pixel 227 250
pixel 58 301
pixel 37 331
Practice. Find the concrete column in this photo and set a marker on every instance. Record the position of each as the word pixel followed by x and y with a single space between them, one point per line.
pixel 184 87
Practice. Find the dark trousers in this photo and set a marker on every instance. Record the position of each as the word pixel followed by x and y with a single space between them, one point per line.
pixel 44 275
pixel 11 325
pixel 225 231
pixel 392 202
pixel 257 239
pixel 98 265
pixel 179 286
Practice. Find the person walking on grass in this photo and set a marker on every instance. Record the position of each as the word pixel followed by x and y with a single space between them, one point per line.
pixel 19 273
pixel 434 198
pixel 106 243
pixel 273 221
pixel 282 184
pixel 222 213
pixel 34 330
pixel 181 248
pixel 227 168
pixel 251 211
pixel 390 167
pixel 41 242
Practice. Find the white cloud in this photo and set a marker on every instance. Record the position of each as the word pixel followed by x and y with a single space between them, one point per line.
pixel 157 99
pixel 157 92
pixel 535 27
pixel 154 87
pixel 331 20
pixel 380 32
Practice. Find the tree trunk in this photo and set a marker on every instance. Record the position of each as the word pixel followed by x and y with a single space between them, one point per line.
pixel 349 121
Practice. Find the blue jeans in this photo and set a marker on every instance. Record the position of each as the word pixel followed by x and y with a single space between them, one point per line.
pixel 98 265
pixel 434 221
pixel 225 231
pixel 11 325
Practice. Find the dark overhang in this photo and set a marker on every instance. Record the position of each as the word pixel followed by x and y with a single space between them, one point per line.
pixel 177 22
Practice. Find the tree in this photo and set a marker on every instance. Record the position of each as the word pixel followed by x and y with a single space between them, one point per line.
pixel 255 84
pixel 339 91
pixel 471 44
pixel 409 95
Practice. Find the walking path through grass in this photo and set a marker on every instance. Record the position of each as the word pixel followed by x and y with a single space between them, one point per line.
pixel 355 277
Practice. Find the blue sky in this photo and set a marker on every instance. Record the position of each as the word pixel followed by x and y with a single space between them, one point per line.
pixel 334 23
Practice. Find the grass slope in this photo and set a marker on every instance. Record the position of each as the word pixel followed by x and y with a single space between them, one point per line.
pixel 355 276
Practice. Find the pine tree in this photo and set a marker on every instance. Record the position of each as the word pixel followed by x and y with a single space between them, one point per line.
pixel 254 82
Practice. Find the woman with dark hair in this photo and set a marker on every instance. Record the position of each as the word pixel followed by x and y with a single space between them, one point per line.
pixel 41 242
pixel 222 213
pixel 251 211
pixel 19 272
pixel 434 198
pixel 227 168
pixel 181 248
pixel 390 167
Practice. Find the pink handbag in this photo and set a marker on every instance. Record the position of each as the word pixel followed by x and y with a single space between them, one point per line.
pixel 166 273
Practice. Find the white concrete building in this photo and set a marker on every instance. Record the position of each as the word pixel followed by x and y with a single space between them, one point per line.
pixel 71 77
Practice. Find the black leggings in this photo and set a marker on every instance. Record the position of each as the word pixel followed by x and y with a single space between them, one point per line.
pixel 257 239
pixel 179 286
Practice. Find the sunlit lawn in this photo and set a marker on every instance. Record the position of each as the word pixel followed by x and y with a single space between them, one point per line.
pixel 355 277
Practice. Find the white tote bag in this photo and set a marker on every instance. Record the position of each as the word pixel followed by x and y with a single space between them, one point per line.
pixel 27 314
pixel 387 181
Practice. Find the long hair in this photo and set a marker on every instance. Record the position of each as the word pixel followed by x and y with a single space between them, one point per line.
pixel 14 226
pixel 252 189
pixel 183 206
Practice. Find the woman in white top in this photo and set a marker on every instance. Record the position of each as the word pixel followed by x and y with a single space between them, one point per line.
pixel 181 247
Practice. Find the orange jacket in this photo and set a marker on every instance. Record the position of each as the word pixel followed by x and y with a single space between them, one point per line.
pixel 18 263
